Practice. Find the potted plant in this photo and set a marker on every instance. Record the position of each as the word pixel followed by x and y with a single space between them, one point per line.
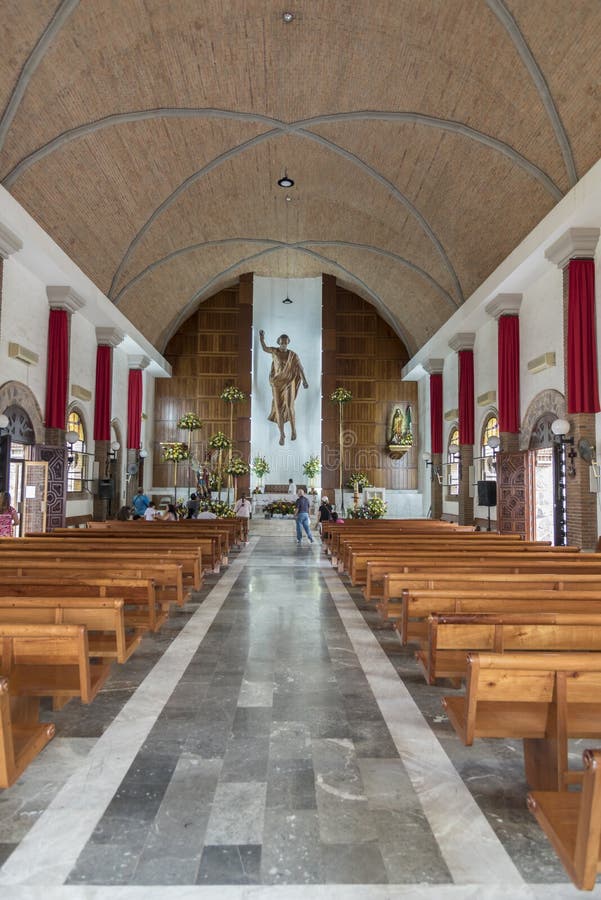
pixel 310 468
pixel 260 467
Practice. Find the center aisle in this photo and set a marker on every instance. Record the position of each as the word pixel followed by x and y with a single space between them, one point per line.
pixel 273 743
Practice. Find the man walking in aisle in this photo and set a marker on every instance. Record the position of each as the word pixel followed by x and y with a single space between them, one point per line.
pixel 302 517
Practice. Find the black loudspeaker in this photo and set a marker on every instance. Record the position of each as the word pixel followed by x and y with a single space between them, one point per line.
pixel 487 493
pixel 105 488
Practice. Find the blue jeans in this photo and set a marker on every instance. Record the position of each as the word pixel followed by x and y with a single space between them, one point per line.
pixel 302 521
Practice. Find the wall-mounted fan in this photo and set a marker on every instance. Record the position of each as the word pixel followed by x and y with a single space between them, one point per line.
pixel 132 469
pixel 586 450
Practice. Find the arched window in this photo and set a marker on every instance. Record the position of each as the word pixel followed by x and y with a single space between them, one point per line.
pixel 453 462
pixel 76 458
pixel 489 429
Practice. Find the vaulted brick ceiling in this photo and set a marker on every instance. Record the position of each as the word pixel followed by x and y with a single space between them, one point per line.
pixel 425 139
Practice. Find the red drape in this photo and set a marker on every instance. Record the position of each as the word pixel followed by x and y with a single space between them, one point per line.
pixel 57 376
pixel 466 397
pixel 134 409
pixel 436 413
pixel 509 374
pixel 582 376
pixel 102 407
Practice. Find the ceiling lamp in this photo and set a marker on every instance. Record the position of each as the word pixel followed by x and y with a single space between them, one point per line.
pixel 287 299
pixel 286 181
pixel 287 17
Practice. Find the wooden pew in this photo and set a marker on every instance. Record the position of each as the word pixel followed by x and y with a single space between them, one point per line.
pixel 104 620
pixel 459 555
pixel 109 558
pixel 167 537
pixel 50 661
pixel 512 597
pixel 167 577
pixel 190 556
pixel 142 609
pixel 443 654
pixel 22 736
pixel 398 586
pixel 572 822
pixel 541 698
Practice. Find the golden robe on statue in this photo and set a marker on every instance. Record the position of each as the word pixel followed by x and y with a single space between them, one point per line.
pixel 285 378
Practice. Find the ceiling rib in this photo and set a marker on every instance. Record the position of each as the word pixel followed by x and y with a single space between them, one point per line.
pixel 63 11
pixel 436 122
pixel 287 246
pixel 209 286
pixel 526 55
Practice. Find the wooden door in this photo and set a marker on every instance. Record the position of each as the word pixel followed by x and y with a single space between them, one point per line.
pixel 515 493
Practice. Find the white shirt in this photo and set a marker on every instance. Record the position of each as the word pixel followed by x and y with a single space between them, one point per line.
pixel 242 508
pixel 150 513
pixel 292 489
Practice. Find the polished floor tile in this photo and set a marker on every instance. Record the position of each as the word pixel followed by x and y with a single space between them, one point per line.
pixel 272 736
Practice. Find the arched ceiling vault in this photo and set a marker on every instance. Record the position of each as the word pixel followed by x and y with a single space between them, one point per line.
pixel 425 141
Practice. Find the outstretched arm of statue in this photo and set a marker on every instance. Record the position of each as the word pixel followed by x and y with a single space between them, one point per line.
pixel 263 344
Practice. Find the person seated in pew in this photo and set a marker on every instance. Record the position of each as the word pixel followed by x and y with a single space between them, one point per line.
pixel 170 514
pixel 151 512
pixel 206 514
pixel 123 514
pixel 192 506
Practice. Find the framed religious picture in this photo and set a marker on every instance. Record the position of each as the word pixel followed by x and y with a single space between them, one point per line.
pixel 399 434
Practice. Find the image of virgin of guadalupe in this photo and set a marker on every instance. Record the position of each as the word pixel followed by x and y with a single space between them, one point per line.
pixel 285 378
pixel 400 426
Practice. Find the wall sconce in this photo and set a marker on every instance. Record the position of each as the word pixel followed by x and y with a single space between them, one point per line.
pixel 560 429
pixel 4 422
pixel 435 472
pixel 142 453
pixel 71 438
pixel 115 447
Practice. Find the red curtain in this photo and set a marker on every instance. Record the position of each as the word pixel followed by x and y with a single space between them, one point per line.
pixel 436 413
pixel 466 397
pixel 134 409
pixel 509 374
pixel 583 380
pixel 102 407
pixel 57 375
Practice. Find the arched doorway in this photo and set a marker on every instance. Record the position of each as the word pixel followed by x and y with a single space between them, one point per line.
pixel 21 439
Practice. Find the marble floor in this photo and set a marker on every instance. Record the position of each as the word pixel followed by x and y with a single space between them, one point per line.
pixel 271 742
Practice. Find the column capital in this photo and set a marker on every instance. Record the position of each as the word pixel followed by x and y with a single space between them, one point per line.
pixel 434 366
pixel 504 305
pixel 110 336
pixel 64 297
pixel 575 243
pixel 9 242
pixel 138 362
pixel 463 340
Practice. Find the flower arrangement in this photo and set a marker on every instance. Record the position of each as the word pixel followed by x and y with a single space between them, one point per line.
pixel 219 441
pixel 221 509
pixel 181 509
pixel 190 422
pixel 341 395
pixel 281 508
pixel 260 466
pixel 358 480
pixel 312 466
pixel 175 452
pixel 232 394
pixel 373 509
pixel 237 467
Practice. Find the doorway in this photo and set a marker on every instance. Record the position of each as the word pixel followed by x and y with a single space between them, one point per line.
pixel 542 443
